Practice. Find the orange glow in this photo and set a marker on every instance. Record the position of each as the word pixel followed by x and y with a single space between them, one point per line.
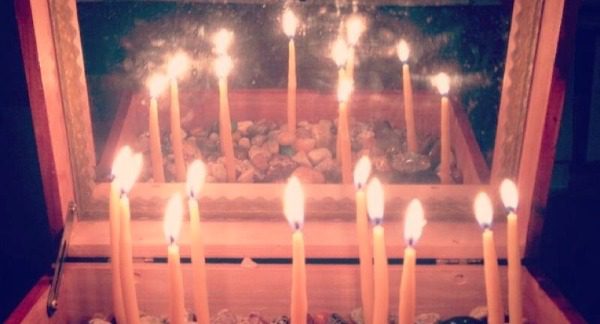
pixel 355 26
pixel 362 170
pixel 345 88
pixel 223 66
pixel 178 64
pixel 442 82
pixel 293 203
pixel 483 209
pixel 222 40
pixel 403 50
pixel 509 194
pixel 375 200
pixel 414 222
pixel 173 218
pixel 120 161
pixel 339 52
pixel 156 84
pixel 129 169
pixel 290 23
pixel 196 174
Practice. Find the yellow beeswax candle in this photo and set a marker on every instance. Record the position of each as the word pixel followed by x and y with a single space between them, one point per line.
pixel 442 82
pixel 172 227
pixel 156 83
pixel 510 198
pixel 290 23
pixel 344 91
pixel 409 115
pixel 375 206
pixel 223 65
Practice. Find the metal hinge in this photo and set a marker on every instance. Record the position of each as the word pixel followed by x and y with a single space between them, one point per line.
pixel 52 302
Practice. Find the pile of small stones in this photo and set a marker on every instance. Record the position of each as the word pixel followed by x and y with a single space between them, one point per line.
pixel 266 152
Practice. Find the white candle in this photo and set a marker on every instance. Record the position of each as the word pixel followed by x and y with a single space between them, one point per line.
pixel 172 227
pixel 375 206
pixel 510 198
pixel 293 209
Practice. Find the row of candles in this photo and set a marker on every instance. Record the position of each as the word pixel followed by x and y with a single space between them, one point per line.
pixel 374 284
pixel 343 53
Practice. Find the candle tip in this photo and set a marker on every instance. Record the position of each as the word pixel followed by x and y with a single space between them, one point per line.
pixel 290 22
pixel 173 218
pixel 196 174
pixel 156 84
pixel 293 203
pixel 339 52
pixel 414 222
pixel 223 65
pixel 403 50
pixel 375 201
pixel 484 211
pixel 362 170
pixel 509 194
pixel 128 171
pixel 355 26
pixel 178 64
pixel 442 82
pixel 222 41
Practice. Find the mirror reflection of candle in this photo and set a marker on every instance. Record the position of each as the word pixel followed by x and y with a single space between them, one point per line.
pixel 362 170
pixel 409 116
pixel 223 66
pixel 290 24
pixel 442 82
pixel 375 206
pixel 177 66
pixel 131 168
pixel 172 228
pixel 355 27
pixel 156 85
pixel 510 199
pixel 339 54
pixel 413 228
pixel 345 88
pixel 293 209
pixel 196 175
pixel 484 214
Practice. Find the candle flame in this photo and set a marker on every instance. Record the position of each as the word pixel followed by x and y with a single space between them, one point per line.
pixel 375 200
pixel 222 40
pixel 403 50
pixel 129 170
pixel 223 65
pixel 509 194
pixel 339 52
pixel 156 84
pixel 483 210
pixel 442 82
pixel 293 203
pixel 196 175
pixel 173 218
pixel 345 88
pixel 414 222
pixel 355 26
pixel 178 64
pixel 290 23
pixel 120 161
pixel 362 170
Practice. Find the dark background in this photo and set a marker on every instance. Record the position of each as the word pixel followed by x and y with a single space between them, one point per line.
pixel 570 241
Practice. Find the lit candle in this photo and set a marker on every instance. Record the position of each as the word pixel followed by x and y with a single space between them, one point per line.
pixel 344 92
pixel 510 198
pixel 177 66
pixel 119 163
pixel 130 172
pixel 290 23
pixel 484 214
pixel 442 82
pixel 172 227
pixel 223 66
pixel 355 26
pixel 339 54
pixel 293 209
pixel 375 205
pixel 413 228
pixel 155 84
pixel 409 116
pixel 361 174
pixel 195 179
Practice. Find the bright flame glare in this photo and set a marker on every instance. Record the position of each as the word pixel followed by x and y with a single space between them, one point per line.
pixel 120 161
pixel 345 88
pixel 355 26
pixel 375 200
pixel 222 40
pixel 178 64
pixel 223 65
pixel 362 170
pixel 290 23
pixel 509 194
pixel 196 174
pixel 293 203
pixel 173 218
pixel 403 50
pixel 156 84
pixel 339 52
pixel 414 222
pixel 483 209
pixel 442 82
pixel 129 170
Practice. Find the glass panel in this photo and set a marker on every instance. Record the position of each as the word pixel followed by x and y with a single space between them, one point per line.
pixel 126 43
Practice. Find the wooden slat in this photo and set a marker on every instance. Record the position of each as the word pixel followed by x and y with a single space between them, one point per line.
pixel 470 159
pixel 32 309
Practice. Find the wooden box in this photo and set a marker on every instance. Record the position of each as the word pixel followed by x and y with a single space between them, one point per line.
pixel 247 241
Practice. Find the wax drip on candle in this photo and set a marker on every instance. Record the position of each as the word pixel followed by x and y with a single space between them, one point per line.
pixel 375 203
pixel 293 203
pixel 290 23
pixel 414 223
pixel 509 195
pixel 196 175
pixel 483 210
pixel 362 170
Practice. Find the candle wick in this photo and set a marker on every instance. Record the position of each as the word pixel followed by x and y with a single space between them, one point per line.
pixel 511 209
pixel 172 240
pixel 297 226
pixel 411 242
pixel 192 195
pixel 486 226
pixel 377 221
